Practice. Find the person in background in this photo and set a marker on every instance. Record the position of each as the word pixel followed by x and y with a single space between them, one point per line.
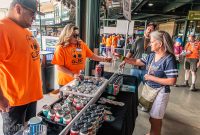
pixel 163 73
pixel 108 45
pixel 140 48
pixel 114 43
pixel 71 53
pixel 103 44
pixel 121 42
pixel 178 50
pixel 20 71
pixel 191 62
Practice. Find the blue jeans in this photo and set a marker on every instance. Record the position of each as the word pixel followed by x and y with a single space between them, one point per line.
pixel 139 74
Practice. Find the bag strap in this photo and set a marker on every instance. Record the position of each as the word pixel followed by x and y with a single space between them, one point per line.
pixel 150 65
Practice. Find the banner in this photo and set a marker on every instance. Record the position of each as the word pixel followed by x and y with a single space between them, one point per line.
pixel 122 27
pixel 127 9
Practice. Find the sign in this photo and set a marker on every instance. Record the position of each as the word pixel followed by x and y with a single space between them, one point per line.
pixel 127 9
pixel 194 15
pixel 110 30
pixel 122 29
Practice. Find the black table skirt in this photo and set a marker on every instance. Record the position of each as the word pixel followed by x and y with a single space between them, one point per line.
pixel 124 116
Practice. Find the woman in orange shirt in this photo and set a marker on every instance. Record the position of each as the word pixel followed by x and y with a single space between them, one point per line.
pixel 70 55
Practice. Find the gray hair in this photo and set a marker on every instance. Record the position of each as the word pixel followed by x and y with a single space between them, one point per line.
pixel 165 38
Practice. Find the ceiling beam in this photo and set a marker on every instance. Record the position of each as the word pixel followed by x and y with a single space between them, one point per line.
pixel 176 4
pixel 139 5
pixel 156 12
pixel 161 18
pixel 141 16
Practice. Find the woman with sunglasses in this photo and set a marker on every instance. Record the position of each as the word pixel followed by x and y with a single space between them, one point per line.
pixel 71 53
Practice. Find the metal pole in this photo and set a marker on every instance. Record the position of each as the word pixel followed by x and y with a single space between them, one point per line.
pixel 126 37
pixel 185 31
pixel 145 25
pixel 40 28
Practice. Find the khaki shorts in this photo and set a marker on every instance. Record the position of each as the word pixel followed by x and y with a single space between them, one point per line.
pixel 191 64
pixel 159 105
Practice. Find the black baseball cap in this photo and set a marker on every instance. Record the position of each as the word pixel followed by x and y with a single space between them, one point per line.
pixel 29 4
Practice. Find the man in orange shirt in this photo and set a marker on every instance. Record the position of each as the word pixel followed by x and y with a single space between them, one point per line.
pixel 20 77
pixel 114 43
pixel 191 61
pixel 70 55
pixel 108 44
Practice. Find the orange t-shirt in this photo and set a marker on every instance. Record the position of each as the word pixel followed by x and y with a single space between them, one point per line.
pixel 20 72
pixel 72 58
pixel 194 48
pixel 108 42
pixel 115 40
pixel 104 40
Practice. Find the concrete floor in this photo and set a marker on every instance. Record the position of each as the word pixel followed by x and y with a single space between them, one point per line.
pixel 182 116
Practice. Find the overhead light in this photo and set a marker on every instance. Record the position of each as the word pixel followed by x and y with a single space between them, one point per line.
pixel 150 4
pixel 135 13
pixel 198 26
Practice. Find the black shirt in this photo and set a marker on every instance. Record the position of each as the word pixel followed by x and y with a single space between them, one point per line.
pixel 139 47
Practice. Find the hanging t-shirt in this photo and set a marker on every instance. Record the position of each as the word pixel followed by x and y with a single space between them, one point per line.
pixel 163 68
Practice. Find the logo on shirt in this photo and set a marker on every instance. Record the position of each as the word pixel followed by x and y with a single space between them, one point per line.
pixel 34 47
pixel 153 69
pixel 76 57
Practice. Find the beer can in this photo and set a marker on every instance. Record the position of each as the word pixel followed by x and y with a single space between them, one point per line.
pixel 74 130
pixel 89 127
pixel 59 116
pixel 79 106
pixel 98 71
pixel 84 131
pixel 57 107
pixel 102 69
pixel 67 119
pixel 51 114
pixel 57 119
pixel 66 110
pixel 79 123
pixel 81 75
pixel 116 88
pixel 76 82
pixel 45 110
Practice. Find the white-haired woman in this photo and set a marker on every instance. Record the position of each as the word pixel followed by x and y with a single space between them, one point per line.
pixel 70 55
pixel 163 72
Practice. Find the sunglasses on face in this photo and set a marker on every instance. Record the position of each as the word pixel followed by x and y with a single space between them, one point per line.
pixel 76 35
